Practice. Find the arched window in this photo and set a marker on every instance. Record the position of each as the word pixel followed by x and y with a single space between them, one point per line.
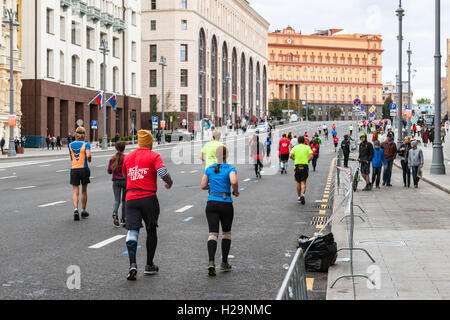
pixel 250 87
pixel 201 73
pixel 62 66
pixel 234 72
pixel 214 76
pixel 243 69
pixel 90 73
pixel 225 78
pixel 75 70
pixel 264 91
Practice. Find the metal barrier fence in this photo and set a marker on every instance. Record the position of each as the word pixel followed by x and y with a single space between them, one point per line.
pixel 34 142
pixel 294 284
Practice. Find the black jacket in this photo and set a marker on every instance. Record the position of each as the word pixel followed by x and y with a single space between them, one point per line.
pixel 345 146
pixel 365 151
pixel 404 153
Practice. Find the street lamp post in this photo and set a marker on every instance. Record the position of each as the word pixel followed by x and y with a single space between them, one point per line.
pixel 298 103
pixel 163 64
pixel 11 19
pixel 437 164
pixel 400 13
pixel 104 49
pixel 202 75
pixel 226 110
pixel 289 98
pixel 408 126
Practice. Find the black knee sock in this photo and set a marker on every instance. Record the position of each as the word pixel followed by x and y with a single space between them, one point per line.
pixel 212 247
pixel 152 242
pixel 132 247
pixel 226 245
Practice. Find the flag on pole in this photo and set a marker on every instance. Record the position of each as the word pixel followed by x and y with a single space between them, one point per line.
pixel 113 102
pixel 98 99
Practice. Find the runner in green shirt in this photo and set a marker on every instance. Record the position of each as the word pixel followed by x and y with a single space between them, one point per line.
pixel 208 154
pixel 302 155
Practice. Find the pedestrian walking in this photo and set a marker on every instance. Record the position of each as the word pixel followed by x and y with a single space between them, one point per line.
pixel 345 146
pixel 390 153
pixel 142 167
pixel 158 137
pixel 425 137
pixel 431 135
pixel 80 154
pixel 208 153
pixel 2 144
pixel 415 162
pixel 221 180
pixel 365 158
pixel 403 154
pixel 378 161
pixel 58 143
pixel 268 146
pixel 16 144
pixel 53 142
pixel 302 155
pixel 47 142
pixel 257 152
pixel 119 182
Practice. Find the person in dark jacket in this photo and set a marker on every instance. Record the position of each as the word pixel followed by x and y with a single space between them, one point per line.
pixel 119 182
pixel 403 156
pixel 378 161
pixel 365 157
pixel 345 146
pixel 390 153
pixel 2 143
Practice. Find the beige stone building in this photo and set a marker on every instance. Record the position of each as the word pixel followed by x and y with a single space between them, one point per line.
pixel 216 52
pixel 5 72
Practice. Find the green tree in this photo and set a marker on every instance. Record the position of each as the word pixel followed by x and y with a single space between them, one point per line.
pixel 424 101
pixel 387 108
pixel 276 108
pixel 335 112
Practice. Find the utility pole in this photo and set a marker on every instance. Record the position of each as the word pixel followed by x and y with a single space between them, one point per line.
pixel 400 13
pixel 437 164
pixel 104 49
pixel 408 126
pixel 11 19
pixel 163 64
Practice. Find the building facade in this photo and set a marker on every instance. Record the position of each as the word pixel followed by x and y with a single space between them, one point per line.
pixel 16 5
pixel 447 82
pixel 326 69
pixel 63 66
pixel 216 53
pixel 391 91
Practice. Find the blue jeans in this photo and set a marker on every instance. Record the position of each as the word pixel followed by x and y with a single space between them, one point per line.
pixel 387 173
pixel 406 173
pixel 415 171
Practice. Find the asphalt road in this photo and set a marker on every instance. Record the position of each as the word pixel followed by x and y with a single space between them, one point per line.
pixel 40 240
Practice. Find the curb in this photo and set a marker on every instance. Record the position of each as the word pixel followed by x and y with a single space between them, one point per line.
pixel 434 184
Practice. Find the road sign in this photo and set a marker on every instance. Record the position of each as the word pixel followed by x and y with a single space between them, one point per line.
pixel 393 106
pixel 163 124
pixel 372 115
pixel 372 109
pixel 206 124
pixel 155 119
pixel 406 107
pixel 80 123
pixel 357 102
pixel 363 108
pixel 94 124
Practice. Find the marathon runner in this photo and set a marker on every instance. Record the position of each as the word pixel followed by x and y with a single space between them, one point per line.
pixel 119 182
pixel 268 146
pixel 142 168
pixel 336 142
pixel 219 178
pixel 257 149
pixel 315 147
pixel 283 148
pixel 208 154
pixel 350 128
pixel 80 154
pixel 302 155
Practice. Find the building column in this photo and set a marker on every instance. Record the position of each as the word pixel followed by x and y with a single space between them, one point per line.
pixel 56 117
pixel 41 116
pixel 111 122
pixel 87 120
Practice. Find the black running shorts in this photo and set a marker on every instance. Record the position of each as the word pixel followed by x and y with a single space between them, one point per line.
pixel 301 172
pixel 284 157
pixel 80 176
pixel 146 209
pixel 365 167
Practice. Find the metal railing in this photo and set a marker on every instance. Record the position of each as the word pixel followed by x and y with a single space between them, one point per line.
pixel 294 284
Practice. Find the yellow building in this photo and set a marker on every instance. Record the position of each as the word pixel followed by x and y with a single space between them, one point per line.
pixel 5 72
pixel 326 69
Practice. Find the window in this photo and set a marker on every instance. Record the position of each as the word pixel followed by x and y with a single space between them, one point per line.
pixel 50 21
pixel 90 74
pixel 61 67
pixel 75 70
pixel 153 79
pixel 133 83
pixel 153 4
pixel 50 67
pixel 133 18
pixel 133 51
pixel 153 25
pixel 184 52
pixel 183 4
pixel 116 79
pixel 183 102
pixel 62 28
pixel 116 47
pixel 184 78
pixel 153 103
pixel 183 24
pixel 90 36
pixel 75 33
pixel 153 53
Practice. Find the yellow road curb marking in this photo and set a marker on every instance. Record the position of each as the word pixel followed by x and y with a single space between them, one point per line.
pixel 309 284
pixel 322 212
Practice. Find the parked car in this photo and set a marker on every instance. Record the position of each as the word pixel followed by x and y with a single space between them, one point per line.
pixel 264 127
pixel 180 135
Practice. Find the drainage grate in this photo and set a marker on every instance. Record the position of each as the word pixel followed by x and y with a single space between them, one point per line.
pixel 319 220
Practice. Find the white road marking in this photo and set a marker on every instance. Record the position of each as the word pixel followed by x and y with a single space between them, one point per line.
pixel 107 241
pixel 51 204
pixel 194 171
pixel 63 170
pixel 183 172
pixel 22 188
pixel 247 180
pixel 101 166
pixel 184 209
pixel 45 165
pixel 10 177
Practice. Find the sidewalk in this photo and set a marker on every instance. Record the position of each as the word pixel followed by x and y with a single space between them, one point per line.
pixel 407 233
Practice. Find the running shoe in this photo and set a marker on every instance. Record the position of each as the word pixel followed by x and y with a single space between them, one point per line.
pixel 122 222
pixel 299 199
pixel 132 272
pixel 116 220
pixel 84 214
pixel 302 199
pixel 225 266
pixel 151 270
pixel 76 215
pixel 212 270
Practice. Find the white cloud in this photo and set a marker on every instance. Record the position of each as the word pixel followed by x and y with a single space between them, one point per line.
pixel 372 16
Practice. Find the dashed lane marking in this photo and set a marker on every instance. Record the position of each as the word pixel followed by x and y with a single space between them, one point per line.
pixel 9 177
pixel 51 204
pixel 45 165
pixel 107 241
pixel 248 179
pixel 63 170
pixel 194 171
pixel 188 219
pixel 22 188
pixel 185 208
pixel 322 212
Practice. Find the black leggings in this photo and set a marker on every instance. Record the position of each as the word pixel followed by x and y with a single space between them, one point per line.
pixel 258 164
pixel 219 212
pixel 314 161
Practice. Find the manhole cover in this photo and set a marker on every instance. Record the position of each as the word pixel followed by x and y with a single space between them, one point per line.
pixel 382 243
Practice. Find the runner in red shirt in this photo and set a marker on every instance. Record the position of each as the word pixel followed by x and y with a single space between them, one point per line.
pixel 315 147
pixel 142 167
pixel 336 142
pixel 284 148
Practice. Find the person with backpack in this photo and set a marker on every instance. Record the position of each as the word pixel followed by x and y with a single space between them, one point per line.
pixel 119 182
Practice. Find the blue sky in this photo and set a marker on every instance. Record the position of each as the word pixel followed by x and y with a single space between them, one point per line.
pixel 372 16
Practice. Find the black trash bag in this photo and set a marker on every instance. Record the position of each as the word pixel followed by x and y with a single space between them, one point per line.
pixel 321 255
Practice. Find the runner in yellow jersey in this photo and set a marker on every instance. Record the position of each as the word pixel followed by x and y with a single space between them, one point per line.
pixel 208 154
pixel 302 155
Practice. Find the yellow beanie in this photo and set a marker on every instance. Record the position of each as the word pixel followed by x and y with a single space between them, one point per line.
pixel 145 139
